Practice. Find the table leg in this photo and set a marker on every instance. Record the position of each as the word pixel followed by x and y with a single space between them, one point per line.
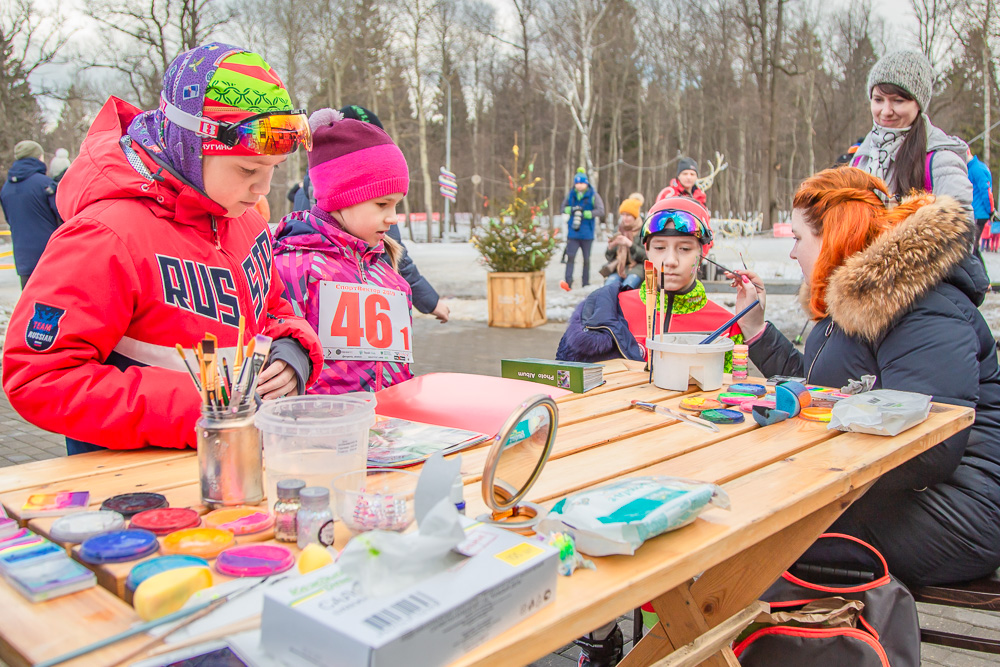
pixel 722 591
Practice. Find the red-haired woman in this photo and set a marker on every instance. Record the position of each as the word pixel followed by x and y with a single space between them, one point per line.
pixel 895 294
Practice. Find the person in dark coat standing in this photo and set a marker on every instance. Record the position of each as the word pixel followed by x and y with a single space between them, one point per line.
pixel 28 199
pixel 895 294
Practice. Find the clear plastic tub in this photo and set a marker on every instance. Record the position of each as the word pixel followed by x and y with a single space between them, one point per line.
pixel 313 438
pixel 678 359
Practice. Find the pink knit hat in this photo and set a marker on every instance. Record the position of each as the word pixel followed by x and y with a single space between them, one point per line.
pixel 353 162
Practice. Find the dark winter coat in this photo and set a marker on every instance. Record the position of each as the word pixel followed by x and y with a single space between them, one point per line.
pixel 425 297
pixel 598 330
pixel 28 199
pixel 906 310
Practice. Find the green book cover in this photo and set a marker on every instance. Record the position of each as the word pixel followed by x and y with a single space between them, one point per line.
pixel 575 376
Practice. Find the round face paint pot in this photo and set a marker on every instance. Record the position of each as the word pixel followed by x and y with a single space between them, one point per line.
pixel 79 527
pixel 735 398
pixel 240 520
pixel 814 414
pixel 757 390
pixel 723 416
pixel 204 542
pixel 699 403
pixel 792 397
pixel 148 568
pixel 130 504
pixel 254 560
pixel 119 546
pixel 166 520
pixel 748 406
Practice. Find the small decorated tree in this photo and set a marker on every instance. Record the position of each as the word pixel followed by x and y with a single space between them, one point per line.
pixel 516 248
pixel 513 240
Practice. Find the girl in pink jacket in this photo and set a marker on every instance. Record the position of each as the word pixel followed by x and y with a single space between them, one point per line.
pixel 338 266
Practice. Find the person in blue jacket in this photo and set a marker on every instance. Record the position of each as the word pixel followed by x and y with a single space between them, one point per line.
pixel 28 199
pixel 583 206
pixel 425 297
pixel 982 192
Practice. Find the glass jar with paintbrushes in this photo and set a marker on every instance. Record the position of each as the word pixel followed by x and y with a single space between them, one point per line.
pixel 230 455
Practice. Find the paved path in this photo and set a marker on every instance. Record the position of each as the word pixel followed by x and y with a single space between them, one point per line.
pixel 472 347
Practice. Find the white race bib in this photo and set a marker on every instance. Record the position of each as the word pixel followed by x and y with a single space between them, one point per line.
pixel 364 323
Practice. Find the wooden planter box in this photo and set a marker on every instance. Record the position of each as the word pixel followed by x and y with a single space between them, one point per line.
pixel 516 299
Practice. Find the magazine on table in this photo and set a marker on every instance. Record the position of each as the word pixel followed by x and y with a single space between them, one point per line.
pixel 398 443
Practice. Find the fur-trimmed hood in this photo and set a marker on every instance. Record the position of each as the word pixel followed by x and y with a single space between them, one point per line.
pixel 879 284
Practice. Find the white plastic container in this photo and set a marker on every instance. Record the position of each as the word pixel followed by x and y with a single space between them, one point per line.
pixel 678 360
pixel 313 438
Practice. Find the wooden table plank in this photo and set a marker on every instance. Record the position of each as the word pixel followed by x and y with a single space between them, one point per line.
pixel 67 468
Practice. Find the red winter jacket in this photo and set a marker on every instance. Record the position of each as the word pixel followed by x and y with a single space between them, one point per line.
pixel 139 266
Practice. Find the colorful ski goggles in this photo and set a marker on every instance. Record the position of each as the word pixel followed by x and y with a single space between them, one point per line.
pixel 681 223
pixel 268 133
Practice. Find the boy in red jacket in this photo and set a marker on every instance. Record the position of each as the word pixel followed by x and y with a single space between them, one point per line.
pixel 161 245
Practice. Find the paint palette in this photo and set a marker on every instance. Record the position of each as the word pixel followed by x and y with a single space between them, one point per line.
pixel 148 568
pixel 735 397
pixel 254 560
pixel 119 546
pixel 130 504
pixel 699 403
pixel 77 528
pixel 757 390
pixel 815 414
pixel 52 578
pixel 204 542
pixel 792 397
pixel 748 406
pixel 31 554
pixel 723 416
pixel 240 520
pixel 166 520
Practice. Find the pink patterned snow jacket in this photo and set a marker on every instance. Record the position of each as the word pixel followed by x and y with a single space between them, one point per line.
pixel 310 247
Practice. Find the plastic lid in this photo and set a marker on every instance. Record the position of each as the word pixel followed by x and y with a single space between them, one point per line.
pixel 75 528
pixel 240 520
pixel 315 497
pixel 166 520
pixel 148 568
pixel 254 560
pixel 312 415
pixel 130 504
pixel 204 542
pixel 289 489
pixel 119 546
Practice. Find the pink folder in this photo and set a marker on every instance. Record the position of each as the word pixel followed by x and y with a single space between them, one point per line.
pixel 479 403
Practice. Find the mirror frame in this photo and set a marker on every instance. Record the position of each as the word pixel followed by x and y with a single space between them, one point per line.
pixel 493 457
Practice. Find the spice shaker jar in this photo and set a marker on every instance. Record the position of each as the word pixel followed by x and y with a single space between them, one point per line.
pixel 315 520
pixel 286 508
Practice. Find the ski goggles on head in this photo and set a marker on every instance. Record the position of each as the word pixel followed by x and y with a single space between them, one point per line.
pixel 672 222
pixel 268 133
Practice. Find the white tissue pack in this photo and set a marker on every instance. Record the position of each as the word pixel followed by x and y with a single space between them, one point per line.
pixel 325 619
pixel 880 412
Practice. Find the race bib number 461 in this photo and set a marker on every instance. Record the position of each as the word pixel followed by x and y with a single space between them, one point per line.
pixel 364 323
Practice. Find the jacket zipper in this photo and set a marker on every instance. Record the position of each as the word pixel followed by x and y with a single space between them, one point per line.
pixel 815 633
pixel 826 338
pixel 215 234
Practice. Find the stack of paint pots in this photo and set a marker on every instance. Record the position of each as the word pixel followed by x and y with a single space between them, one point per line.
pixel 741 360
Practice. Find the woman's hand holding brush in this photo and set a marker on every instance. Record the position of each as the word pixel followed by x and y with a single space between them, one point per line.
pixel 747 292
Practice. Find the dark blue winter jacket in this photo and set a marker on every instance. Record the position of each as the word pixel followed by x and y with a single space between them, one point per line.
pixel 28 199
pixel 598 330
pixel 303 196
pixel 906 310
pixel 593 208
pixel 425 297
pixel 982 186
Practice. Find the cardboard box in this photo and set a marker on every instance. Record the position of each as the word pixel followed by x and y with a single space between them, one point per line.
pixel 324 619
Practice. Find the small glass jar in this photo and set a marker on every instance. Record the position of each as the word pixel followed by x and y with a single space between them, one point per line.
pixel 230 457
pixel 315 520
pixel 286 509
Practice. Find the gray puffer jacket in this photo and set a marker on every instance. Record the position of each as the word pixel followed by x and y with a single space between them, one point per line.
pixel 949 175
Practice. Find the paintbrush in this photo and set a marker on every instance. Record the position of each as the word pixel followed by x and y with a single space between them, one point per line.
pixel 254 364
pixel 208 362
pixel 239 346
pixel 712 261
pixel 650 287
pixel 180 351
pixel 718 332
pixel 697 422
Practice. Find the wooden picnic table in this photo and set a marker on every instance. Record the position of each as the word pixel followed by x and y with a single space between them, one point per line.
pixel 787 483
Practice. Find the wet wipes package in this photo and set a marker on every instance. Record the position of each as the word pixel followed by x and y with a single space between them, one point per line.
pixel 880 412
pixel 616 518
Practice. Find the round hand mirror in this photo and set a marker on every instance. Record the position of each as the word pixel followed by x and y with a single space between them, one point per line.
pixel 515 461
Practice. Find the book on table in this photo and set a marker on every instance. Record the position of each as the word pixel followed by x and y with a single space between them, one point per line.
pixel 398 443
pixel 576 376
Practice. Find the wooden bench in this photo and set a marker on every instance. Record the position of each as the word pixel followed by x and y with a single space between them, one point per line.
pixel 982 594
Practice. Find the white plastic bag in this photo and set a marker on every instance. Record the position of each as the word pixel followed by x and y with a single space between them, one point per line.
pixel 618 517
pixel 880 412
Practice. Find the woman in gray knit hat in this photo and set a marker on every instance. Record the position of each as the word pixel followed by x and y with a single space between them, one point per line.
pixel 903 148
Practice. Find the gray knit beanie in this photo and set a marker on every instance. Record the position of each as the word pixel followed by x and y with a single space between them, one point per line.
pixel 27 148
pixel 686 163
pixel 910 70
